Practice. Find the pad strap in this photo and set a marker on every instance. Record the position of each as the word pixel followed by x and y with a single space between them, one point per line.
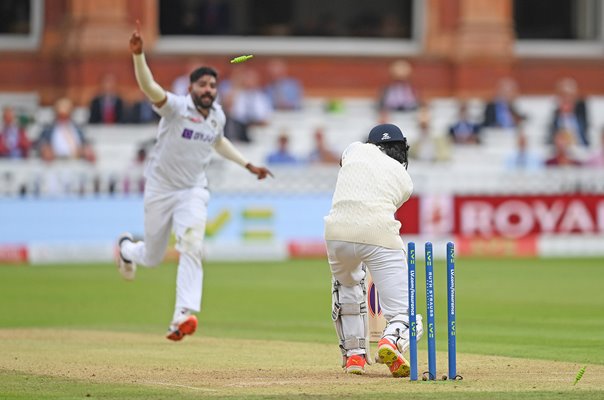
pixel 340 309
pixel 352 343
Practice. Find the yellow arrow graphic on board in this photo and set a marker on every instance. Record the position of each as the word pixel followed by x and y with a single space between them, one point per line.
pixel 214 226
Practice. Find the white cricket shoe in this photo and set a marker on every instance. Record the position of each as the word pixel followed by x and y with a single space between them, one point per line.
pixel 127 268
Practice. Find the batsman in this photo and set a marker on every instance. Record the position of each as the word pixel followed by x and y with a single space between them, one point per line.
pixel 362 233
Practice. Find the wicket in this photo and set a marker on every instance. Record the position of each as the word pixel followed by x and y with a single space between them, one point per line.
pixel 430 312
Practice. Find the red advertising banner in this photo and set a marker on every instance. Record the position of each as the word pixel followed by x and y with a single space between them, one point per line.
pixel 13 254
pixel 408 216
pixel 521 216
pixel 307 248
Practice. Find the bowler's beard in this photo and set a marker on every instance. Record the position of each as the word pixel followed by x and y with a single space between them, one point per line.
pixel 203 102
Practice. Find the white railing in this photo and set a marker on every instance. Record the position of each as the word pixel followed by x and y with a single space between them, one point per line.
pixel 36 178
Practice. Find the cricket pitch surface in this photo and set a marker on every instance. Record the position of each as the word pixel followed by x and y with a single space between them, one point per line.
pixel 66 364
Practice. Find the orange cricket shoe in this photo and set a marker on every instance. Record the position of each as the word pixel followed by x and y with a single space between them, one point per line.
pixel 181 328
pixel 389 355
pixel 355 364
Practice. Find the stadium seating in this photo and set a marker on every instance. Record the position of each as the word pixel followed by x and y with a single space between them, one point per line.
pixel 472 169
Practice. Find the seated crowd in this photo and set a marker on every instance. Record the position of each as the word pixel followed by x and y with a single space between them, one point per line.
pixel 251 99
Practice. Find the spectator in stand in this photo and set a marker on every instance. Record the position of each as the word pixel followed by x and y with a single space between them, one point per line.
pixel 383 117
pixel 246 105
pixel 107 107
pixel 63 139
pixel 464 130
pixel 400 94
pixel 134 181
pixel 597 158
pixel 523 158
pixel 284 92
pixel 570 113
pixel 563 142
pixel 282 155
pixel 429 147
pixel 233 79
pixel 142 112
pixel 501 111
pixel 13 138
pixel 321 154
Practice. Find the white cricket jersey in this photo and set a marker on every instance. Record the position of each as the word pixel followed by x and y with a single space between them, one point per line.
pixel 371 186
pixel 185 141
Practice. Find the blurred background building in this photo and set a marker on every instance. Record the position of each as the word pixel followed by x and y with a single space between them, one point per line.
pixel 503 102
pixel 340 47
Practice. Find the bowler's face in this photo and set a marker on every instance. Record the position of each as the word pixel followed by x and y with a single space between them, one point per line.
pixel 203 91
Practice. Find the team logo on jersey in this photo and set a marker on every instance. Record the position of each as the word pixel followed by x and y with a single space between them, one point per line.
pixel 213 123
pixel 386 136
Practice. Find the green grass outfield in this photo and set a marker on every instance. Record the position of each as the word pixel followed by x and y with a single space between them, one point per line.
pixel 524 327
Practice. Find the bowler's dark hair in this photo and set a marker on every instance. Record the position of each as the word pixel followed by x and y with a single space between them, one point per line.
pixel 398 150
pixel 201 71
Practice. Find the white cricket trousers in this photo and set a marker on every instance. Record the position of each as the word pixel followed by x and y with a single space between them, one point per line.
pixel 185 213
pixel 388 269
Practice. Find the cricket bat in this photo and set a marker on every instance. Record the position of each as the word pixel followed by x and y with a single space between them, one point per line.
pixel 376 320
